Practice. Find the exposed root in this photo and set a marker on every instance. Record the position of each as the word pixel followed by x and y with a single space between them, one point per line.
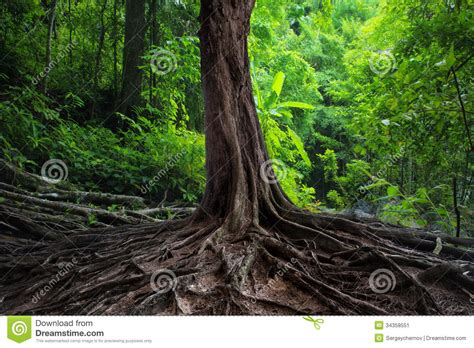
pixel 278 261
pixel 113 270
pixel 48 212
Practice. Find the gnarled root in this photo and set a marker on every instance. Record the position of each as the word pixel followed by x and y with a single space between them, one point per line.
pixel 192 267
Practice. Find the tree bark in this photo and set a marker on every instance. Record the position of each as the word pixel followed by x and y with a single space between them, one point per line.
pixel 51 19
pixel 114 45
pixel 153 42
pixel 135 28
pixel 69 13
pixel 98 57
pixel 235 150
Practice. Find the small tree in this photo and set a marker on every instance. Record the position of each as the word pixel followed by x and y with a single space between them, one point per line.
pixel 133 49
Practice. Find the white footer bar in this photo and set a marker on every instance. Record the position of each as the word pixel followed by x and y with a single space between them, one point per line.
pixel 228 332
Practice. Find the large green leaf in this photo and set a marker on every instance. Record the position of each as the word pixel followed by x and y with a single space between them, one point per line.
pixel 451 58
pixel 392 191
pixel 277 84
pixel 297 105
pixel 270 102
pixel 299 146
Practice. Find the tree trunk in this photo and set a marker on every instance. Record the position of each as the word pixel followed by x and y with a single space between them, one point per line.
pixel 51 19
pixel 135 28
pixel 240 188
pixel 153 42
pixel 69 13
pixel 114 44
pixel 98 56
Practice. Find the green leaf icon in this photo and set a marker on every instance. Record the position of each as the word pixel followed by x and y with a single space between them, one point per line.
pixel 19 328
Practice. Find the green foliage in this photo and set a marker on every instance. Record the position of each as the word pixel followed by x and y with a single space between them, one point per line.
pixel 178 91
pixel 335 199
pixel 360 100
pixel 329 164
pixel 100 159
pixel 407 109
pixel 282 142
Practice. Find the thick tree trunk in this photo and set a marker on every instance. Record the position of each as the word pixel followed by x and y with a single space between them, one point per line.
pixel 235 149
pixel 135 28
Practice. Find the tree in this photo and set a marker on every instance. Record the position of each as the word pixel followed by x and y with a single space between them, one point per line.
pixel 98 57
pixel 247 249
pixel 152 42
pixel 135 28
pixel 234 143
pixel 51 15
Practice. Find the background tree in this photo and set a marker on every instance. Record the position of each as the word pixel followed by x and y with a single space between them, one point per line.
pixel 51 17
pixel 134 44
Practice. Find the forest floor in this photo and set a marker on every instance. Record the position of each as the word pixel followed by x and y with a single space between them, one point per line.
pixel 64 251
